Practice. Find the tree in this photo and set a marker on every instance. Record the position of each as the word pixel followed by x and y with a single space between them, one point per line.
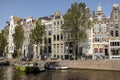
pixel 6 34
pixel 76 22
pixel 37 34
pixel 3 42
pixel 18 38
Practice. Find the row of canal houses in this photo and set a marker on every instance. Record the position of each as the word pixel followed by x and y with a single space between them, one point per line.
pixel 103 37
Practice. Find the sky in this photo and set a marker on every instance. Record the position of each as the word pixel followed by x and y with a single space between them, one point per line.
pixel 40 8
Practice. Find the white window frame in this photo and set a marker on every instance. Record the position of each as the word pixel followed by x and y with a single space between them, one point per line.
pixel 103 28
pixel 96 28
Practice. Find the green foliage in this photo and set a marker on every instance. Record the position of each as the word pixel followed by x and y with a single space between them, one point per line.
pixel 18 36
pixel 37 33
pixel 15 55
pixel 3 42
pixel 6 32
pixel 76 22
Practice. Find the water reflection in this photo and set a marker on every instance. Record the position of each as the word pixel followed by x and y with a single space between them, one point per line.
pixel 6 73
pixel 9 73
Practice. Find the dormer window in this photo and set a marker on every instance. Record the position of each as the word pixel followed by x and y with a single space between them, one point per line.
pixel 115 10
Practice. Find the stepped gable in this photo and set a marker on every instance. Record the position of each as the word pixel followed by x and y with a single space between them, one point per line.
pixel 99 16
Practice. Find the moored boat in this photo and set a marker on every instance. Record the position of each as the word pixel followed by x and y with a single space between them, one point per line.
pixel 55 66
pixel 21 67
pixel 6 63
pixel 42 69
pixel 64 67
pixel 29 68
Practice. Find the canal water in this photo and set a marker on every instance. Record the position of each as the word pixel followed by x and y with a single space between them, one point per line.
pixel 9 73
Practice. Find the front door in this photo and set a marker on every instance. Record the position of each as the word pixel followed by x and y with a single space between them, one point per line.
pixel 106 52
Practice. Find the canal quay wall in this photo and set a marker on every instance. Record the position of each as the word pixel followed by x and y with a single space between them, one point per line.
pixel 93 64
pixel 80 64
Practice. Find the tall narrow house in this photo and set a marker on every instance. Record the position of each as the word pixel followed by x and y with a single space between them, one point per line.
pixel 114 25
pixel 13 23
pixel 100 35
pixel 55 43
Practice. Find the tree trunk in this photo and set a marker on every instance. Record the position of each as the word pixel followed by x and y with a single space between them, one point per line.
pixel 35 51
pixel 74 51
pixel 19 53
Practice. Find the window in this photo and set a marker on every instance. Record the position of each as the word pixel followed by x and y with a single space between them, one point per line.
pixel 104 37
pixel 99 18
pixel 97 38
pixel 61 36
pixel 57 17
pixel 116 33
pixel 71 44
pixel 117 43
pixel 49 32
pixel 49 40
pixel 111 25
pixel 54 48
pixel 57 37
pixel 49 26
pixel 55 29
pixel 111 43
pixel 54 56
pixel 115 10
pixel 111 33
pixel 54 37
pixel 57 56
pixel 61 22
pixel 62 57
pixel 116 25
pixel 96 29
pixel 58 23
pixel 103 28
pixel 116 17
pixel 55 23
pixel 49 49
pixel 101 50
pixel 57 48
pixel 61 48
pixel 95 50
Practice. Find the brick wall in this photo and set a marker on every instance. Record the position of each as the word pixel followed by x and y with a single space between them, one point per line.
pixel 93 64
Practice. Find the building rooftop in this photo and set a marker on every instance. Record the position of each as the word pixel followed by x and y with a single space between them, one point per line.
pixel 47 17
pixel 115 5
pixel 16 19
pixel 99 8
